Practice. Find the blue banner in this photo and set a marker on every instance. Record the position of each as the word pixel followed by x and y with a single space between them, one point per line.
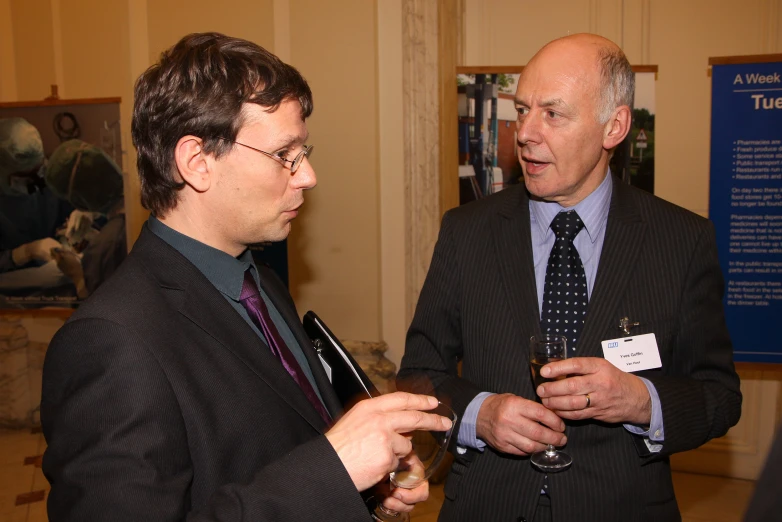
pixel 745 203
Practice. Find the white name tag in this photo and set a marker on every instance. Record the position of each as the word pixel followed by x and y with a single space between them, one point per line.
pixel 633 354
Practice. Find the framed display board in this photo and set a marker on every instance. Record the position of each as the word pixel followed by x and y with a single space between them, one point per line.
pixel 88 241
pixel 745 199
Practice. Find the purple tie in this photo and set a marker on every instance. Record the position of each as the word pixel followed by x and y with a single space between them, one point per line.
pixel 253 302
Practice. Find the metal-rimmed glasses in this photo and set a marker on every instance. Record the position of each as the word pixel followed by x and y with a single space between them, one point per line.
pixel 295 162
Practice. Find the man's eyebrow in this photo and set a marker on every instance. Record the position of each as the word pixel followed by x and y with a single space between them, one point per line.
pixel 554 102
pixel 291 139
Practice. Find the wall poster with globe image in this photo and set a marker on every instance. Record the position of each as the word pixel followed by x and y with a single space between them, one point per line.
pixel 487 132
pixel 62 207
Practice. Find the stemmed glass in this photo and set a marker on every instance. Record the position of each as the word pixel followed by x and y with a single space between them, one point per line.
pixel 429 448
pixel 544 349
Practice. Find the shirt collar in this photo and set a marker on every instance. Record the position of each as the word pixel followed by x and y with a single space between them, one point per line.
pixel 224 271
pixel 593 210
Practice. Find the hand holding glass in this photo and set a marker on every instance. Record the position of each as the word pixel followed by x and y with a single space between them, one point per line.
pixel 545 349
pixel 429 448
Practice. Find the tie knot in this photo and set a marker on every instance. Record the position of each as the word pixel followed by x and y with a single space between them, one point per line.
pixel 567 225
pixel 249 287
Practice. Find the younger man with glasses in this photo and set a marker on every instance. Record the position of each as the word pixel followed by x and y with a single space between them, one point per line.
pixel 185 387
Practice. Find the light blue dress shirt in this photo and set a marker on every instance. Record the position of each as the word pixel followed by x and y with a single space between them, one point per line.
pixel 593 211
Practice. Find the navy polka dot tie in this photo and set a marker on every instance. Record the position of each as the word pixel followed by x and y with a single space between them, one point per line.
pixel 565 295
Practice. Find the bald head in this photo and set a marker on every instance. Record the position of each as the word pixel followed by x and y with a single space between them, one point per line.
pixel 572 111
pixel 599 63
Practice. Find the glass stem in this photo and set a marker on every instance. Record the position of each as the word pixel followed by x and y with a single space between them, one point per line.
pixel 551 450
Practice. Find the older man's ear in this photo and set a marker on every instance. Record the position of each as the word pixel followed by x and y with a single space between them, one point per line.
pixel 617 127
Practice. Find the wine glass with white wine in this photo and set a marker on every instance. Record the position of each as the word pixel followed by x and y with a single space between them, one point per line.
pixel 545 349
pixel 429 448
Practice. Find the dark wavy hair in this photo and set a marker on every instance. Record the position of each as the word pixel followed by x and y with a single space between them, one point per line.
pixel 198 88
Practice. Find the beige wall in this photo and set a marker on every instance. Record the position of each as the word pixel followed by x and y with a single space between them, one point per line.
pixel 702 28
pixel 7 53
pixel 335 244
pixel 33 48
pixel 347 247
pixel 92 60
pixel 94 54
pixel 103 46
pixel 169 21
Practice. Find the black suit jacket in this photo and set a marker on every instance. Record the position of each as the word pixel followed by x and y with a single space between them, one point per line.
pixel 659 267
pixel 160 403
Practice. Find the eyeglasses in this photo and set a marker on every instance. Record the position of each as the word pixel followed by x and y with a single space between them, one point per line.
pixel 295 162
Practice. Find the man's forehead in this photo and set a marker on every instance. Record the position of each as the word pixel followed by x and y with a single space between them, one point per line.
pixel 287 115
pixel 550 89
pixel 281 127
pixel 552 78
pixel 253 112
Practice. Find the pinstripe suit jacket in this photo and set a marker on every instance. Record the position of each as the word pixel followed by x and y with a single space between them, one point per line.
pixel 479 305
pixel 160 403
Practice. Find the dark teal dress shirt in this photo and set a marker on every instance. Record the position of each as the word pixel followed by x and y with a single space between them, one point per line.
pixel 226 273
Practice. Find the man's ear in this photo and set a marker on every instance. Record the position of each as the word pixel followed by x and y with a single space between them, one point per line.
pixel 617 127
pixel 192 163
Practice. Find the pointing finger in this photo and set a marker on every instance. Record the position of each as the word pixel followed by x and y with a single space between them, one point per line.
pixel 404 421
pixel 402 401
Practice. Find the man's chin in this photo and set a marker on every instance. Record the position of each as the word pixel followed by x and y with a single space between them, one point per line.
pixel 281 234
pixel 536 185
pixel 539 190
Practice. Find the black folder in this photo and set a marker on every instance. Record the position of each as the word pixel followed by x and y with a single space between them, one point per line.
pixel 346 376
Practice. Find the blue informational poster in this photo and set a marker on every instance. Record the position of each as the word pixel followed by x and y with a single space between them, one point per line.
pixel 745 202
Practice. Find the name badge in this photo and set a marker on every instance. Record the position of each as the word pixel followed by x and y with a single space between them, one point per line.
pixel 633 354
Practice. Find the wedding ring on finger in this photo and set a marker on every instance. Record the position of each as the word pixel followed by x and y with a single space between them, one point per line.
pixel 589 401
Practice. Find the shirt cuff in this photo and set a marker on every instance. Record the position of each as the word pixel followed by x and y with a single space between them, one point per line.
pixel 467 438
pixel 655 434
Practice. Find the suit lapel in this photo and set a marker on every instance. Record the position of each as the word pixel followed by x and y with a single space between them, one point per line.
pixel 513 250
pixel 279 296
pixel 201 303
pixel 625 232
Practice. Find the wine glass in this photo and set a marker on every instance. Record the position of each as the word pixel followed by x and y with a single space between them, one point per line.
pixel 429 448
pixel 544 349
